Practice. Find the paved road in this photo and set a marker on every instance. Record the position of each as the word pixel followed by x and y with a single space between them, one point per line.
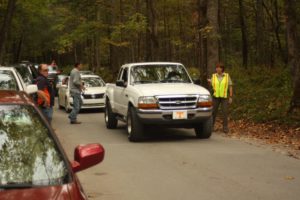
pixel 174 165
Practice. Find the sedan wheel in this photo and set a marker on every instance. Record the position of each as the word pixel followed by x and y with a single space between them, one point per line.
pixel 67 106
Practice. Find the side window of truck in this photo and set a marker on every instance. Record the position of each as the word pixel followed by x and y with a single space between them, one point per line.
pixel 120 73
pixel 125 75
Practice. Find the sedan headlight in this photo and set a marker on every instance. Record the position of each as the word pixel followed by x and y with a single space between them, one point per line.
pixel 204 101
pixel 147 103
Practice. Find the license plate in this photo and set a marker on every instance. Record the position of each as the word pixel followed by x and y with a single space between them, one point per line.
pixel 180 114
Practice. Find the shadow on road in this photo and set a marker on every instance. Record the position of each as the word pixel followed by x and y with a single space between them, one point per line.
pixel 154 134
pixel 89 111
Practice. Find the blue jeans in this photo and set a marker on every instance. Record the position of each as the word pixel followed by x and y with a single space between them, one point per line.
pixel 77 102
pixel 48 113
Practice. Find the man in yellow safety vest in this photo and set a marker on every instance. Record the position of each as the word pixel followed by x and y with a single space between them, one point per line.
pixel 221 82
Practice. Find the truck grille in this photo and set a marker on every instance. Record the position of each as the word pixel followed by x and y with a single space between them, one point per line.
pixel 177 102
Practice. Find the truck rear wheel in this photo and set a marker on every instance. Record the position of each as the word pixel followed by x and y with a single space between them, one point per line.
pixel 134 126
pixel 109 117
pixel 204 130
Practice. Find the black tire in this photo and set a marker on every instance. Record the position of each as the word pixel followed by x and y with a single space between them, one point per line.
pixel 204 130
pixel 134 127
pixel 109 117
pixel 60 107
pixel 68 110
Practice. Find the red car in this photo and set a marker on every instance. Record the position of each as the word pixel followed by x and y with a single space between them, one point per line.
pixel 33 164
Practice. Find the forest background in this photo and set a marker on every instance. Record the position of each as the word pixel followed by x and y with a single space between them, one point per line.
pixel 257 40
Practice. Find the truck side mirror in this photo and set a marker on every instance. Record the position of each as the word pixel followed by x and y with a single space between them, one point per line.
pixel 120 83
pixel 197 81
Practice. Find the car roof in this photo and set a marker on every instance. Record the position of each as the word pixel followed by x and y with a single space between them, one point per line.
pixel 14 97
pixel 7 68
pixel 89 76
pixel 152 63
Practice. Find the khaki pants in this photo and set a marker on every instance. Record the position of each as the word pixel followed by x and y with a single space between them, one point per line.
pixel 224 108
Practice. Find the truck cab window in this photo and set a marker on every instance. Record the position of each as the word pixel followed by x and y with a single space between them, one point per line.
pixel 125 75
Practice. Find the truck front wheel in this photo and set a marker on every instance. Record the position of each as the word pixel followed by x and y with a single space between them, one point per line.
pixel 204 129
pixel 134 126
pixel 110 118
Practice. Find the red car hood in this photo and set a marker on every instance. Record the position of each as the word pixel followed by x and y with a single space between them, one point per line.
pixel 63 192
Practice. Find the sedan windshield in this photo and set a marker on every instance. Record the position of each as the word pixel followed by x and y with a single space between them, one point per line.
pixel 159 74
pixel 93 82
pixel 7 80
pixel 28 154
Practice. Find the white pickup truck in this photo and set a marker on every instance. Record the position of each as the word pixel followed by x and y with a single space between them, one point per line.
pixel 159 94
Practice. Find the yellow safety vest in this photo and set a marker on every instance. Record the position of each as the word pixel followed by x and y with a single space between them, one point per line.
pixel 220 88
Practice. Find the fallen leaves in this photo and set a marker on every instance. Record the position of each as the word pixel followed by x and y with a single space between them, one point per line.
pixel 269 133
pixel 289 178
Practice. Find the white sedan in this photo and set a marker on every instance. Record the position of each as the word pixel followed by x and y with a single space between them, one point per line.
pixel 10 79
pixel 92 96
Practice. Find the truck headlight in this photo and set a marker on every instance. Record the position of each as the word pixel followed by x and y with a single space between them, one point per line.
pixel 204 101
pixel 147 103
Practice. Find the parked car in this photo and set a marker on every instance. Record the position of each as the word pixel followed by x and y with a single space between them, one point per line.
pixel 33 163
pixel 53 72
pixel 92 96
pixel 157 93
pixel 86 72
pixel 10 79
pixel 58 82
pixel 27 71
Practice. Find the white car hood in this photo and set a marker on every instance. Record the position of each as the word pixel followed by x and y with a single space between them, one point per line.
pixel 170 89
pixel 95 90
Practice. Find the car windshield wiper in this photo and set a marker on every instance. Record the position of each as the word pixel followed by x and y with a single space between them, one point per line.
pixel 173 81
pixel 146 81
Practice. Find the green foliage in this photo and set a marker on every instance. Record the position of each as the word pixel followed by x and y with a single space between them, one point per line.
pixel 194 72
pixel 262 95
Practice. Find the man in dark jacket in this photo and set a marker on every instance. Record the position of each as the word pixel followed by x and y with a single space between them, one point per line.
pixel 45 99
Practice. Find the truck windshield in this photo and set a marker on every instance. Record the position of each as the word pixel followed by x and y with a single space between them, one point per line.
pixel 159 74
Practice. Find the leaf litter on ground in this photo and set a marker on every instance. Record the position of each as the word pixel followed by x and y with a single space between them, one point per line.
pixel 282 138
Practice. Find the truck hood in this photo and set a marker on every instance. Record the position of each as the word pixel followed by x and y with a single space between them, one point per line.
pixel 170 89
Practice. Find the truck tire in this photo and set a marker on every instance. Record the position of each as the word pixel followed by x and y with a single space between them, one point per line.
pixel 134 126
pixel 109 117
pixel 204 130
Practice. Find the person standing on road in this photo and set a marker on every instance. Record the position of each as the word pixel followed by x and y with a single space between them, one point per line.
pixel 45 93
pixel 221 82
pixel 76 87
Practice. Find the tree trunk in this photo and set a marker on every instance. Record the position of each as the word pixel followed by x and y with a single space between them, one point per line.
pixel 244 34
pixel 152 31
pixel 293 51
pixel 260 55
pixel 202 41
pixel 213 36
pixel 6 26
pixel 277 33
pixel 97 39
pixel 18 48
